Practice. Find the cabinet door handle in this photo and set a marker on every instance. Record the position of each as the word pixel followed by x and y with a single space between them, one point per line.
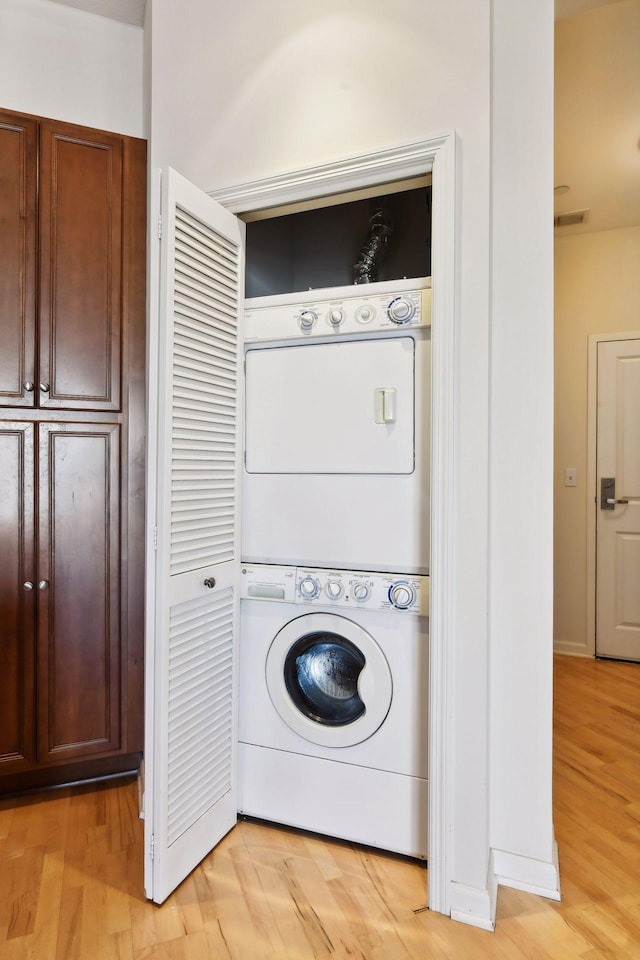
pixel 210 582
pixel 28 386
pixel 44 387
pixel 27 585
pixel 43 584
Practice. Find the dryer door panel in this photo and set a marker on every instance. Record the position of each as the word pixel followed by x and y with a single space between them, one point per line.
pixel 344 407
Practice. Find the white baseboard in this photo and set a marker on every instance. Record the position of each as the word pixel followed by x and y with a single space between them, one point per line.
pixel 141 790
pixel 570 649
pixel 524 873
pixel 475 906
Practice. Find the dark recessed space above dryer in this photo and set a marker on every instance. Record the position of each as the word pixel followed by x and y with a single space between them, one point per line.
pixel 317 248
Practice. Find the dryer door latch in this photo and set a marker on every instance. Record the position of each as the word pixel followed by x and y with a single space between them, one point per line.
pixel 384 399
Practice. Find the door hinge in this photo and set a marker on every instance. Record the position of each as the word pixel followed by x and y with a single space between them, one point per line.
pixel 155 538
pixel 152 847
pixel 159 226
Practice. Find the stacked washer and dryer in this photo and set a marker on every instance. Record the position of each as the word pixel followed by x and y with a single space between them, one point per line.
pixel 333 702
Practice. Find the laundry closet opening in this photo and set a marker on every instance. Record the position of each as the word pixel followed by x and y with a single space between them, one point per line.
pixel 381 233
pixel 333 699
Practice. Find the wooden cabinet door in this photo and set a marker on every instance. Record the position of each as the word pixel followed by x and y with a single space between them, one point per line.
pixel 18 199
pixel 17 741
pixel 81 270
pixel 79 688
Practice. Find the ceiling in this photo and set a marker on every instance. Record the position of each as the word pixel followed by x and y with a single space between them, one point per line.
pixel 597 113
pixel 132 11
pixel 128 11
pixel 597 130
pixel 567 8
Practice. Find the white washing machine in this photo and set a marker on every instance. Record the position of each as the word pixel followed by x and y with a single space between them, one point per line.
pixel 333 706
pixel 337 415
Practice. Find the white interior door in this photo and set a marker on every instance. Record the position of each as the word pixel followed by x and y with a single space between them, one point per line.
pixel 618 521
pixel 191 725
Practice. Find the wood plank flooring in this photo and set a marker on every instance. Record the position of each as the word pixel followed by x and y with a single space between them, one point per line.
pixel 71 870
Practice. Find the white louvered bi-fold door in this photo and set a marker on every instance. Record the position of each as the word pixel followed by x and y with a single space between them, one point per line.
pixel 191 746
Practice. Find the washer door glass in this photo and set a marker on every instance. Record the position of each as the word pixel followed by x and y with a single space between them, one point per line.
pixel 321 674
pixel 328 679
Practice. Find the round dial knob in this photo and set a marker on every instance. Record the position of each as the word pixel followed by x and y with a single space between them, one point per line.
pixel 365 313
pixel 402 595
pixel 333 589
pixel 306 319
pixel 401 310
pixel 361 591
pixel 309 588
pixel 335 316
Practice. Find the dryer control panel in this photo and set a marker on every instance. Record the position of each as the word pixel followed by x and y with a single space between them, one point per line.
pixel 340 311
pixel 391 592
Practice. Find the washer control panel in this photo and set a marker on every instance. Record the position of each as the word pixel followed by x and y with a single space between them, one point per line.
pixel 395 593
pixel 338 311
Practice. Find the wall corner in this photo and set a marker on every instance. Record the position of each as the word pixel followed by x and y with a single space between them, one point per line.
pixel 475 906
pixel 539 877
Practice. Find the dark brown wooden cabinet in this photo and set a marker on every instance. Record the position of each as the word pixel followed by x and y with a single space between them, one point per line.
pixel 18 268
pixel 78 590
pixel 72 324
pixel 17 612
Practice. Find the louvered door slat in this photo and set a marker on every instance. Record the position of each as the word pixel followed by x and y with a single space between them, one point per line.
pixel 194 755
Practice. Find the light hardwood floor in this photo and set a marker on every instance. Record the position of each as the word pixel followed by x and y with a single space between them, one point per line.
pixel 71 870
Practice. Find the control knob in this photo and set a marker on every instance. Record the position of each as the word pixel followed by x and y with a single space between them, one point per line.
pixel 306 319
pixel 365 313
pixel 335 316
pixel 333 589
pixel 361 592
pixel 402 595
pixel 401 310
pixel 309 588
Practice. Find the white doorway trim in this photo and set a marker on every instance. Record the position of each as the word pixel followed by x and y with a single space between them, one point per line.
pixel 437 155
pixel 592 479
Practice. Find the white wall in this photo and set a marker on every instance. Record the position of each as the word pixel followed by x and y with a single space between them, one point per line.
pixel 521 471
pixel 244 91
pixel 65 64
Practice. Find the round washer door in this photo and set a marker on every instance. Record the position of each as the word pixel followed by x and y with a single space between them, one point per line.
pixel 328 679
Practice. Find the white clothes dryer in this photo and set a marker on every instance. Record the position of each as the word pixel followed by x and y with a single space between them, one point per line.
pixel 337 417
pixel 333 706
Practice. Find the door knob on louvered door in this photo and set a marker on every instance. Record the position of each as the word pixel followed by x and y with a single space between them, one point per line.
pixel 210 582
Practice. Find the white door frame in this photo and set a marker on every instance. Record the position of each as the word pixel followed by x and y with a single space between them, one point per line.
pixel 592 479
pixel 438 156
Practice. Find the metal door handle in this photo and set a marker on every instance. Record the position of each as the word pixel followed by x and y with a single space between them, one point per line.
pixel 210 582
pixel 43 584
pixel 44 387
pixel 27 585
pixel 28 386
pixel 608 499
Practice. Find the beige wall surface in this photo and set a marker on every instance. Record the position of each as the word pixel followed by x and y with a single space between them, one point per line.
pixel 597 291
pixel 67 64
